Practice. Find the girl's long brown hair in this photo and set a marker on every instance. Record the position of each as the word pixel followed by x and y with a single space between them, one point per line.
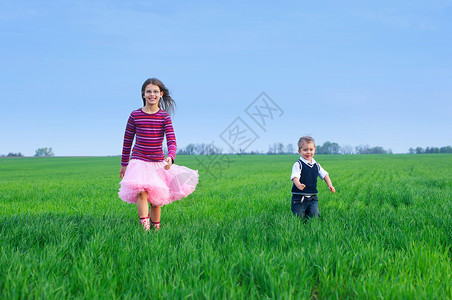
pixel 166 103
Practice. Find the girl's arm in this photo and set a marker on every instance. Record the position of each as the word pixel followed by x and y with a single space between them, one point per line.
pixel 330 185
pixel 170 142
pixel 169 162
pixel 122 171
pixel 129 135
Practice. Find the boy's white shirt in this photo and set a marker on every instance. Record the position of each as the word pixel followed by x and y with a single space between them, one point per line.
pixel 296 170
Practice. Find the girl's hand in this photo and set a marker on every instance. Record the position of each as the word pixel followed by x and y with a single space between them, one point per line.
pixel 122 171
pixel 332 189
pixel 169 162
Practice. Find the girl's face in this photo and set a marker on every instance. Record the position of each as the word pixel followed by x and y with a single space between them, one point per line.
pixel 152 95
pixel 307 151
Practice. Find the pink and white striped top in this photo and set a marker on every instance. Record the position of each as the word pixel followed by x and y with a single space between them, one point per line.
pixel 150 130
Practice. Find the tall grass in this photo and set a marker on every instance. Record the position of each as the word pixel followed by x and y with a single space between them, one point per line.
pixel 386 233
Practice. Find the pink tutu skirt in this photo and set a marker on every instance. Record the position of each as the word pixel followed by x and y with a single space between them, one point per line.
pixel 163 186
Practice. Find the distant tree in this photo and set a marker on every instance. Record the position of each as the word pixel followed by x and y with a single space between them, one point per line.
pixel 420 150
pixel 290 149
pixel 272 149
pixel 200 149
pixel 335 148
pixel 207 149
pixel 276 148
pixel 281 148
pixel 256 152
pixel 362 149
pixel 14 154
pixel 214 150
pixel 190 149
pixel 44 152
pixel 328 148
pixel 371 150
pixel 347 149
pixel 447 149
pixel 377 150
pixel 319 149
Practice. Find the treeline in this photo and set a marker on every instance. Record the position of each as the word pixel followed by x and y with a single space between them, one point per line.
pixel 40 152
pixel 326 148
pixel 420 150
pixel 199 149
pixel 280 149
pixel 12 155
pixel 329 148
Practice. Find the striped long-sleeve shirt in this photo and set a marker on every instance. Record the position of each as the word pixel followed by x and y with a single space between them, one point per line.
pixel 150 130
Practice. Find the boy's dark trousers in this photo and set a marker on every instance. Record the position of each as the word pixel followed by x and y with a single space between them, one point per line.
pixel 305 206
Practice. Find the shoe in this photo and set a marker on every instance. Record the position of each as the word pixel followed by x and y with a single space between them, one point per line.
pixel 145 223
pixel 155 225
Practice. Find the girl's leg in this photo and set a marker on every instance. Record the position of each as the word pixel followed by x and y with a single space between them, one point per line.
pixel 143 209
pixel 155 216
pixel 142 205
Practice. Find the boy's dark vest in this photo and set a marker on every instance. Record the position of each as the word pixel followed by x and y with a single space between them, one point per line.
pixel 309 178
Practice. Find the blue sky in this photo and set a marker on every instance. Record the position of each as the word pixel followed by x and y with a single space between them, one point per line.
pixel 351 72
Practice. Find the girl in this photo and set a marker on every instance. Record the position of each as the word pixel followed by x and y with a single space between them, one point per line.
pixel 149 177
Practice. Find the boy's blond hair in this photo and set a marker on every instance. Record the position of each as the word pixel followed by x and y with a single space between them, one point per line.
pixel 305 139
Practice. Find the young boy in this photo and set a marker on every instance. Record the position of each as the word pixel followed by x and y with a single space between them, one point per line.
pixel 304 176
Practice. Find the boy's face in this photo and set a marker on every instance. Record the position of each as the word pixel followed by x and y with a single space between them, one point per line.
pixel 307 151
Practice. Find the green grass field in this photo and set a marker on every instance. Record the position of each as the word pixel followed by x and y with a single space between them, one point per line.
pixel 385 234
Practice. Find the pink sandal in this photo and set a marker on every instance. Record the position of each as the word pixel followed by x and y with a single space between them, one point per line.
pixel 155 225
pixel 145 223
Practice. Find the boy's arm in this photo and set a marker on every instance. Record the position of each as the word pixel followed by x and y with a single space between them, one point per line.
pixel 296 171
pixel 297 183
pixel 330 185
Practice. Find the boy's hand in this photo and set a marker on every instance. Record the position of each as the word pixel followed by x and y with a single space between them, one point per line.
pixel 301 186
pixel 332 189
